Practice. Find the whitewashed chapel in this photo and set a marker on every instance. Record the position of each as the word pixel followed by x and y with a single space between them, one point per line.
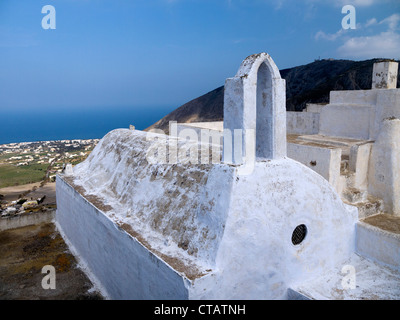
pixel 274 219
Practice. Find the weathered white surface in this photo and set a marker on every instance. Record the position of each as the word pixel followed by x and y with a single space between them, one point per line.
pixel 384 166
pixel 372 282
pixel 379 245
pixel 179 204
pixel 384 75
pixel 302 122
pixel 324 161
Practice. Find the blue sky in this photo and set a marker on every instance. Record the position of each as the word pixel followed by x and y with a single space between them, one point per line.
pixel 139 53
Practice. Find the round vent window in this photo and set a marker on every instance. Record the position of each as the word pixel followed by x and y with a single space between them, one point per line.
pixel 299 234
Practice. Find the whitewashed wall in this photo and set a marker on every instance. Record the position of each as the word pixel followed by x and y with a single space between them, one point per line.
pixel 354 121
pixel 384 166
pixel 125 268
pixel 324 161
pixel 302 122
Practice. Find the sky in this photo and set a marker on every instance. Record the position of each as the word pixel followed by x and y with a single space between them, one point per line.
pixel 150 53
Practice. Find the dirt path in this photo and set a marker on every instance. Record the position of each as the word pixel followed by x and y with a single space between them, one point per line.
pixel 23 254
pixel 33 190
pixel 13 193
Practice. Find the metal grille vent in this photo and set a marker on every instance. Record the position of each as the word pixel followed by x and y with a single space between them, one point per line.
pixel 299 234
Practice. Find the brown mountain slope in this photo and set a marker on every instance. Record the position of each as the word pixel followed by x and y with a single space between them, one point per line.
pixel 208 107
pixel 310 83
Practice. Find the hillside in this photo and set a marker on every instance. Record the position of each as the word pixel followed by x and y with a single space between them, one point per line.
pixel 309 83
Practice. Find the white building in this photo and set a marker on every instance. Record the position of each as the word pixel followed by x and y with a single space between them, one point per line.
pixel 151 221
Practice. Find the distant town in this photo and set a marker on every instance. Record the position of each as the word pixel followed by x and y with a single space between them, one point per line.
pixel 40 160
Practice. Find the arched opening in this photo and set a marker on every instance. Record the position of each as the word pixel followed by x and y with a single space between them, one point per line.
pixel 264 113
pixel 255 104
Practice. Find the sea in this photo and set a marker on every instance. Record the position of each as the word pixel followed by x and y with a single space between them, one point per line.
pixel 91 123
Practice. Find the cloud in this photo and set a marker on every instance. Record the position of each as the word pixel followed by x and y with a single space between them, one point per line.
pixel 371 22
pixel 357 3
pixel 383 45
pixel 392 21
pixel 328 36
pixel 279 4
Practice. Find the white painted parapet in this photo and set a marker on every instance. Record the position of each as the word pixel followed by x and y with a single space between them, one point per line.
pixel 359 164
pixel 384 167
pixel 362 97
pixel 387 106
pixel 347 120
pixel 324 161
pixel 314 107
pixel 302 122
pixel 378 245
